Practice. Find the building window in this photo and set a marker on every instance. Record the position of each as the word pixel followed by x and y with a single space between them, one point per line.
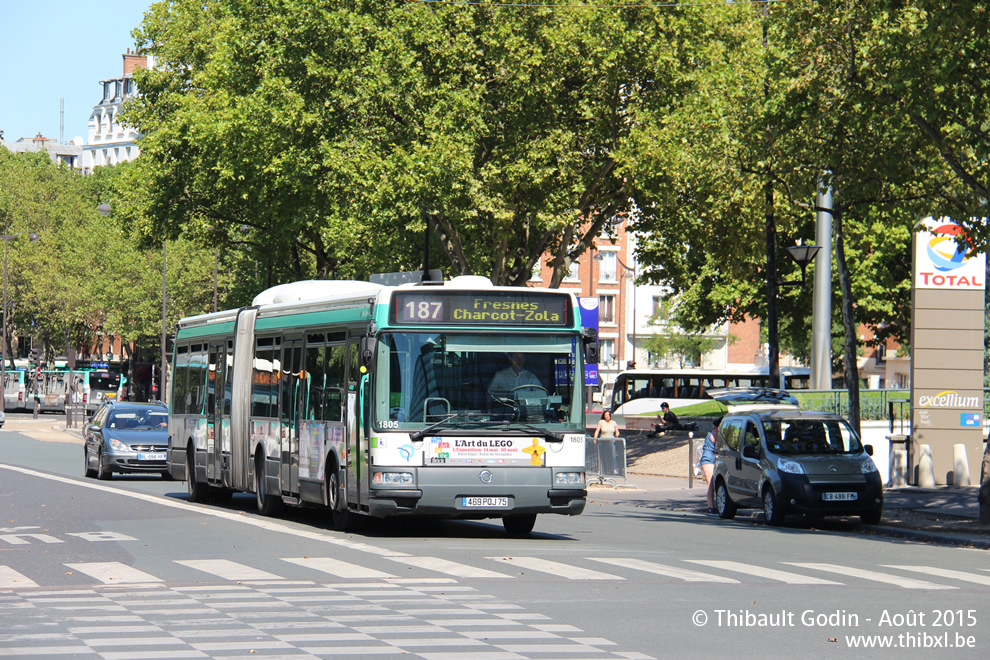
pixel 606 352
pixel 537 274
pixel 608 271
pixel 606 309
pixel 574 272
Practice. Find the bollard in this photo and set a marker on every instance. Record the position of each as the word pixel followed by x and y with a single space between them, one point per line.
pixel 926 467
pixel 960 466
pixel 898 466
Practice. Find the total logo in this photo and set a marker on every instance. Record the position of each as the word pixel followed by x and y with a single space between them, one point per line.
pixel 943 249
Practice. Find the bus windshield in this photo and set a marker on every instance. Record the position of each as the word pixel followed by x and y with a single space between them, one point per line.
pixel 478 381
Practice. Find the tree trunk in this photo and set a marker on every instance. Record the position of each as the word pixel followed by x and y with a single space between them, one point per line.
pixel 850 352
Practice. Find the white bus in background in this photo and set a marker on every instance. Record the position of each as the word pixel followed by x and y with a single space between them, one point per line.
pixel 641 391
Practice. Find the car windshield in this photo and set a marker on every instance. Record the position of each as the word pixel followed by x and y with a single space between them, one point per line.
pixel 138 420
pixel 453 380
pixel 810 436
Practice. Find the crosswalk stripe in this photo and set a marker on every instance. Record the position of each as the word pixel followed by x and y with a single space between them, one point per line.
pixel 760 571
pixel 11 579
pixel 945 572
pixel 663 569
pixel 228 570
pixel 113 572
pixel 556 568
pixel 887 578
pixel 338 568
pixel 449 567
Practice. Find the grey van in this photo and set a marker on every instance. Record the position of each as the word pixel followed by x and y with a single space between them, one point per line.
pixel 773 455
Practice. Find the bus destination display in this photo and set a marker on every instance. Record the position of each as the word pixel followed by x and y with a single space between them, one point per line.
pixel 481 308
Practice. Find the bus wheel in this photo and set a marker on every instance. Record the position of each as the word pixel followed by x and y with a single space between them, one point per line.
pixel 343 519
pixel 519 525
pixel 197 491
pixel 268 504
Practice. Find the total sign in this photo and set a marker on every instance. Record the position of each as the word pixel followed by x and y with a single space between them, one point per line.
pixel 943 260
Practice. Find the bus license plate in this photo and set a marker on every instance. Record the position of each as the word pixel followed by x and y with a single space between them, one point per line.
pixel 839 497
pixel 486 502
pixel 151 457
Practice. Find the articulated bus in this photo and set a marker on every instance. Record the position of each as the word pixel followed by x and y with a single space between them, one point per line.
pixel 641 391
pixel 373 400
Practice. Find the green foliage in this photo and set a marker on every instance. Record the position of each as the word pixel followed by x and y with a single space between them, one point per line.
pixel 330 137
pixel 88 275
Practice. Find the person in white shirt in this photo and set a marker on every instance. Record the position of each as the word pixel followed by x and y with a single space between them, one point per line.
pixel 515 375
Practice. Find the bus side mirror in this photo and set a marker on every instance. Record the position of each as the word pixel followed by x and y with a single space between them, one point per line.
pixel 590 339
pixel 368 347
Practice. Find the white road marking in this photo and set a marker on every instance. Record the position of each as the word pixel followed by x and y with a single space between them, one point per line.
pixel 339 568
pixel 11 579
pixel 760 571
pixel 449 567
pixel 945 572
pixel 663 569
pixel 228 570
pixel 113 572
pixel 556 568
pixel 874 576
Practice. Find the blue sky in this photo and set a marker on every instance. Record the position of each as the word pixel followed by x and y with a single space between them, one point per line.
pixel 52 49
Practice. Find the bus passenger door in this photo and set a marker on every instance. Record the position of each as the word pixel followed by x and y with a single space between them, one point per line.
pixel 214 414
pixel 289 405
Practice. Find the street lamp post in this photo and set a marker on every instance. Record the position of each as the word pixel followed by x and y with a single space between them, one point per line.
pixel 3 349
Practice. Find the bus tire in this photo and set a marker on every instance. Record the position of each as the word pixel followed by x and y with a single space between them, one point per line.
pixel 197 491
pixel 343 519
pixel 268 504
pixel 520 525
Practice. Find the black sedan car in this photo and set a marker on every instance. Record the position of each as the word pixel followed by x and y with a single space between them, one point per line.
pixel 127 437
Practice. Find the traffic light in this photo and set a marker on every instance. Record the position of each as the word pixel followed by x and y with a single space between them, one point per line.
pixel 35 359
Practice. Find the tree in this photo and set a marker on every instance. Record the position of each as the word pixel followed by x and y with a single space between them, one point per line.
pixel 313 131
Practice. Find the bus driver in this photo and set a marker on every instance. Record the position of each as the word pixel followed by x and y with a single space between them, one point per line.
pixel 515 375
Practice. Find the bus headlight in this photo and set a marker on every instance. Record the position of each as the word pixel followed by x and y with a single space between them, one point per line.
pixel 568 478
pixel 393 478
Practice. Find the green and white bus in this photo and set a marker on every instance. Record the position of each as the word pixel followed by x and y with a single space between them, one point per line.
pixel 373 400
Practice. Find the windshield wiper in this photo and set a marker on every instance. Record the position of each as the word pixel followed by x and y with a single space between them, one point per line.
pixel 546 433
pixel 423 432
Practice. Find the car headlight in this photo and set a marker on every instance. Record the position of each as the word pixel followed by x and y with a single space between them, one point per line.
pixel 117 445
pixel 789 466
pixel 568 478
pixel 869 466
pixel 393 478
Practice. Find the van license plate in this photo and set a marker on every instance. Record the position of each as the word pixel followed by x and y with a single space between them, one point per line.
pixel 486 502
pixel 839 497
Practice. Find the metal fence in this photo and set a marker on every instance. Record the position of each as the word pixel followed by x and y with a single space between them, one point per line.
pixel 75 415
pixel 604 459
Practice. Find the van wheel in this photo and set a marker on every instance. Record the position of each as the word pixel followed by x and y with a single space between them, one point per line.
pixel 198 492
pixel 772 510
pixel 723 503
pixel 519 525
pixel 872 518
pixel 268 504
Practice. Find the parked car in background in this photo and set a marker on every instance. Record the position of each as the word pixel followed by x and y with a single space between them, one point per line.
pixel 770 454
pixel 127 437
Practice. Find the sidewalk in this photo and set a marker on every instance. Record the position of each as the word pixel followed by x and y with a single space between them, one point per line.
pixel 946 514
